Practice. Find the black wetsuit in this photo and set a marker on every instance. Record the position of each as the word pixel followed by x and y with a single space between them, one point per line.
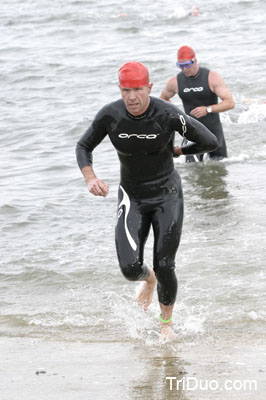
pixel 195 92
pixel 150 192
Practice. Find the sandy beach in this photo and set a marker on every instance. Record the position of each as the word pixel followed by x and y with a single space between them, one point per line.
pixel 38 369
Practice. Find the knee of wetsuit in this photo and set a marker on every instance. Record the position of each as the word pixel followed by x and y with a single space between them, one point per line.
pixel 164 266
pixel 135 271
pixel 165 272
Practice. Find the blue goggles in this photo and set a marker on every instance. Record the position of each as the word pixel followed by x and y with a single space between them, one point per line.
pixel 187 64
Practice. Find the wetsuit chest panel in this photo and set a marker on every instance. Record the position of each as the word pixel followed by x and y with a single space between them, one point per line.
pixel 195 92
pixel 139 137
pixel 144 144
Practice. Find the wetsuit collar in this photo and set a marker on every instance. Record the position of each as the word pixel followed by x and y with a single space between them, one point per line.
pixel 195 76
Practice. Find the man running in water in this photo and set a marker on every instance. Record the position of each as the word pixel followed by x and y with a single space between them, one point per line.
pixel 199 89
pixel 142 129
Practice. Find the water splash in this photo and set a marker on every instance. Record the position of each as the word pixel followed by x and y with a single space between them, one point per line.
pixel 255 113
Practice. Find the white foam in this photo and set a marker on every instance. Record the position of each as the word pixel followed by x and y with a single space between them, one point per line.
pixel 236 158
pixel 180 12
pixel 257 316
pixel 255 113
pixel 193 325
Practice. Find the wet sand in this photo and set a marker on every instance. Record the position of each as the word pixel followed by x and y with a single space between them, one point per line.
pixel 41 369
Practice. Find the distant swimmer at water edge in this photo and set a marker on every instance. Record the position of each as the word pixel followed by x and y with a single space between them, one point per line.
pixel 199 89
pixel 142 129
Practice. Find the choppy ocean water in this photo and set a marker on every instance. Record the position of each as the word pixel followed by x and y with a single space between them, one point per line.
pixel 59 277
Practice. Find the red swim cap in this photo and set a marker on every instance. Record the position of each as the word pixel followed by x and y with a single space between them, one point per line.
pixel 185 53
pixel 133 74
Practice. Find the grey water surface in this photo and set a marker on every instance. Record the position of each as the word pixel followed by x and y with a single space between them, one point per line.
pixel 64 306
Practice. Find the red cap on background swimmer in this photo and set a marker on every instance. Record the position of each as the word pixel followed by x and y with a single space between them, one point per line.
pixel 133 74
pixel 185 53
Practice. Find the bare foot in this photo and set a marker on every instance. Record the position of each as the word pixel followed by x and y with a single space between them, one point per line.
pixel 167 333
pixel 144 297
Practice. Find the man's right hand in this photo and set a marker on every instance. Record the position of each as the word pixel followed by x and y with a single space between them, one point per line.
pixel 97 187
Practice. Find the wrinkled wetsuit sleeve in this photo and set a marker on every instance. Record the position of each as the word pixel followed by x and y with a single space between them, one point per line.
pixel 90 139
pixel 201 139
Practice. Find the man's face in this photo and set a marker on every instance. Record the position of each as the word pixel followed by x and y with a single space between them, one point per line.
pixel 189 67
pixel 137 99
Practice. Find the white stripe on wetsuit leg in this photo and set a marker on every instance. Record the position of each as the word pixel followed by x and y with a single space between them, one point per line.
pixel 126 202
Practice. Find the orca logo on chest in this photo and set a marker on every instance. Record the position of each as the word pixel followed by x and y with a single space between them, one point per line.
pixel 195 89
pixel 138 136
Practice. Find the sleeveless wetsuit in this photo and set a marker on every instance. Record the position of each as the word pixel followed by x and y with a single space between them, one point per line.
pixel 195 92
pixel 150 192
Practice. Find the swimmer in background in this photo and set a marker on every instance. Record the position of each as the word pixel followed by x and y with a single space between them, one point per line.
pixel 194 11
pixel 199 89
pixel 181 12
